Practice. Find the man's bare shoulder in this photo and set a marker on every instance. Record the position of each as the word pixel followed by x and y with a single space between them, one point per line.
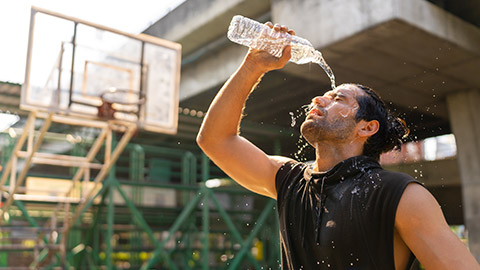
pixel 422 226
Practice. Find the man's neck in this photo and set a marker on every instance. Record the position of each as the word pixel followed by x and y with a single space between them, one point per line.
pixel 329 155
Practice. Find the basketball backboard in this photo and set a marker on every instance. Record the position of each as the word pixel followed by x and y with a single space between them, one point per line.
pixel 75 67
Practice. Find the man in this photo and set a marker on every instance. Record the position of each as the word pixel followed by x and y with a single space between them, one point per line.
pixel 344 211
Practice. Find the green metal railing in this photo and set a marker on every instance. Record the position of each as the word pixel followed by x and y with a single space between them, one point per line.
pixel 202 228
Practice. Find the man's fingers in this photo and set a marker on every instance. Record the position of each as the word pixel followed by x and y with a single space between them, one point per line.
pixel 281 28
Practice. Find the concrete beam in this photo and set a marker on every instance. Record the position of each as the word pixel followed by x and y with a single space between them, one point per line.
pixel 213 71
pixel 413 41
pixel 196 23
pixel 327 22
pixel 464 119
pixel 410 49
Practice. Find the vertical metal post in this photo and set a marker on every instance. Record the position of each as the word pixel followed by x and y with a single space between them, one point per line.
pixel 189 173
pixel 189 169
pixel 109 234
pixel 72 70
pixel 13 173
pixel 28 65
pixel 142 81
pixel 111 144
pixel 137 172
pixel 59 81
pixel 205 229
pixel 108 145
pixel 205 168
pixel 94 234
pixel 31 136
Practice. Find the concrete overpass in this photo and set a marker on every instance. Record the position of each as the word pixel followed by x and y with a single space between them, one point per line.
pixel 420 57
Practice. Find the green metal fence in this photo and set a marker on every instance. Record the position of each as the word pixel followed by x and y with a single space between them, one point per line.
pixel 154 211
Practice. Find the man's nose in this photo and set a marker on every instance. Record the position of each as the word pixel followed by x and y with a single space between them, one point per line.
pixel 321 101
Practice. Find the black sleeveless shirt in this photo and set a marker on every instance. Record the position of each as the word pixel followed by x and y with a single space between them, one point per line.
pixel 342 219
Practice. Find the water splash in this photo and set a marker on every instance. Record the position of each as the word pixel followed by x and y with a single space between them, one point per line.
pixel 294 120
pixel 302 54
pixel 318 59
pixel 302 145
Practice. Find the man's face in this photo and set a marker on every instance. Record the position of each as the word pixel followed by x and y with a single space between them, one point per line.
pixel 331 117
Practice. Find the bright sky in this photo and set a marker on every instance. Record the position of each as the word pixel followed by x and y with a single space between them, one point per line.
pixel 126 15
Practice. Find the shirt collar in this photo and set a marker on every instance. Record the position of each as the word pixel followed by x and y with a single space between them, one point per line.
pixel 343 170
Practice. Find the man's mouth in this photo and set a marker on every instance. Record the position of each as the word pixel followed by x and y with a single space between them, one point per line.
pixel 315 112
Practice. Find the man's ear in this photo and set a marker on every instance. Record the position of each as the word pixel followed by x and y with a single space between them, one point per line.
pixel 368 128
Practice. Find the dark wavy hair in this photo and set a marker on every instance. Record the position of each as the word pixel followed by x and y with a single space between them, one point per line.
pixel 392 131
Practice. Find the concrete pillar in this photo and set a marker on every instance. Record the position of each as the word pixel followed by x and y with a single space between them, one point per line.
pixel 465 122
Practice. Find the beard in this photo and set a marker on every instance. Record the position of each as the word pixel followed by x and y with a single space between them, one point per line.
pixel 316 130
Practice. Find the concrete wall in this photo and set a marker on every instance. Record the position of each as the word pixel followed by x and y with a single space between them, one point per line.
pixel 465 121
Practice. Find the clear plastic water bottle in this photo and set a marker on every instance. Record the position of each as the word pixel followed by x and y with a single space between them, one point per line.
pixel 253 34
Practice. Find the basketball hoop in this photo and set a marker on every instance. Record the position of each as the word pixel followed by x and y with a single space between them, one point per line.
pixel 113 101
pixel 119 100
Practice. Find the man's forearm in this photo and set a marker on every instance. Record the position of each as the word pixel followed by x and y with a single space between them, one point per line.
pixel 224 115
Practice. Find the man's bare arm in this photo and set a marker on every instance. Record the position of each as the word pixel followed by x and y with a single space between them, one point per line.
pixel 420 222
pixel 219 137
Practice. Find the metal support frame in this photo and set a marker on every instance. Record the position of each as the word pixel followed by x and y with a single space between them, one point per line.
pixel 205 195
pixel 193 221
pixel 21 178
pixel 32 156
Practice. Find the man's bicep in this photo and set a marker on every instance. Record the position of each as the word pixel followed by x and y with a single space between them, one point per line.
pixel 422 226
pixel 247 165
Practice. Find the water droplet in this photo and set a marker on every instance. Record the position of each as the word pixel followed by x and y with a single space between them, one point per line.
pixel 292 124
